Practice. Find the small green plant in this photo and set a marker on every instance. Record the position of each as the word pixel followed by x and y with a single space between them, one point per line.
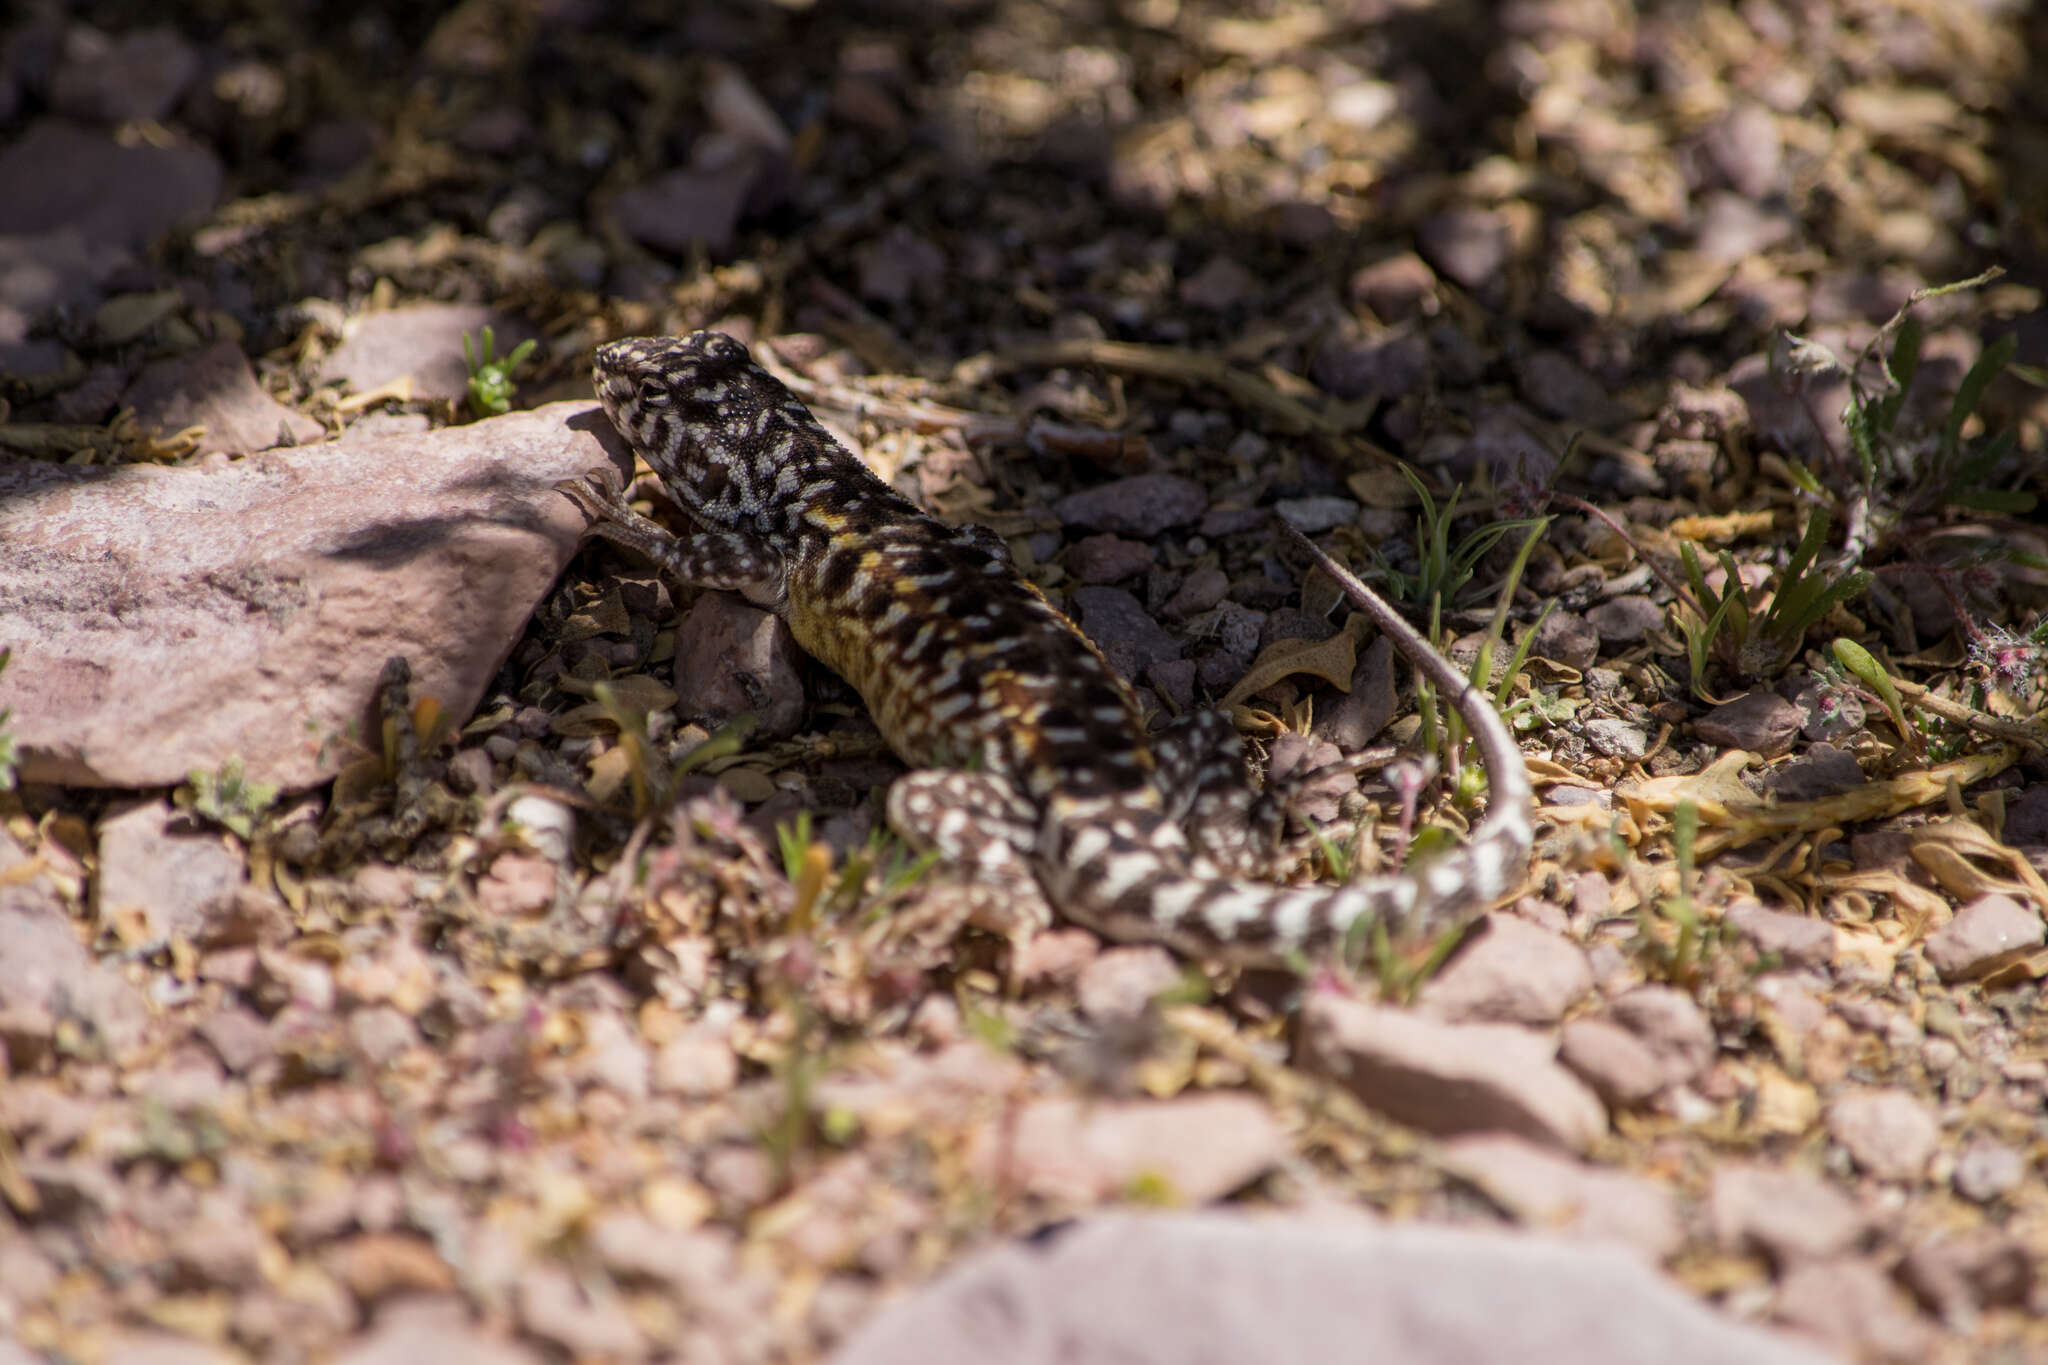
pixel 227 797
pixel 1858 661
pixel 10 758
pixel 1724 628
pixel 491 383
pixel 1443 570
pixel 1919 468
pixel 1678 961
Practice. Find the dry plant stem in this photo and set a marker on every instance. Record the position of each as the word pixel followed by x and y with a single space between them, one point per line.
pixel 924 416
pixel 1188 367
pixel 1676 588
pixel 1506 774
pixel 2032 736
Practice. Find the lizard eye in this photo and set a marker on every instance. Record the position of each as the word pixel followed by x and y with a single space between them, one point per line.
pixel 652 392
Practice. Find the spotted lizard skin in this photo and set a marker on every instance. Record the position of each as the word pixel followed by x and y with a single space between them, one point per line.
pixel 1032 769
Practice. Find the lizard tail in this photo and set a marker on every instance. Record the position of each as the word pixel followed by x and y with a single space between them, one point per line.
pixel 1113 885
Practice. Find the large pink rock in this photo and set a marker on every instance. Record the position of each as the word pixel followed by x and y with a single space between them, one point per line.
pixel 167 619
pixel 1166 1289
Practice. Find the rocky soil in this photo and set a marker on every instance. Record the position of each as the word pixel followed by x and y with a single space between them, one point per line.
pixel 559 994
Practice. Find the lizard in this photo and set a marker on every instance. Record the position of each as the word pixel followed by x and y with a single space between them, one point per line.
pixel 1031 767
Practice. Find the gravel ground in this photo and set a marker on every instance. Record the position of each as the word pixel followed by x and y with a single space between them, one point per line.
pixel 530 1009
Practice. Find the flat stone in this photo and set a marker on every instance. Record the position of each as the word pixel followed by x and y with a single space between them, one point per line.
pixel 1568 638
pixel 1956 1275
pixel 1617 738
pixel 215 388
pixel 1167 1289
pixel 60 175
pixel 167 619
pixel 1558 1194
pixel 1118 985
pixel 1400 286
pixel 1820 772
pixel 1313 516
pixel 1761 722
pixel 1558 386
pixel 1198 592
pixel 423 340
pixel 700 205
pixel 1991 932
pixel 1513 973
pixel 901 266
pixel 1450 1078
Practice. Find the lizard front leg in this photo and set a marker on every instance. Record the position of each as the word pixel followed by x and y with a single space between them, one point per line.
pixel 727 559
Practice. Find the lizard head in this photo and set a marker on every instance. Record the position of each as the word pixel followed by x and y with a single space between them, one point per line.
pixel 714 425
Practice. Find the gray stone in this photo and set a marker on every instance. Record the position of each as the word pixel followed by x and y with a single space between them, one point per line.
pixel 1141 506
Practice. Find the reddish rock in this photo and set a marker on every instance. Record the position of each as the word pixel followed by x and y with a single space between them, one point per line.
pixel 1991 932
pixel 1616 1063
pixel 172 618
pixel 1127 635
pixel 1448 1078
pixel 107 78
pixel 1122 982
pixel 178 873
pixel 1164 1289
pixel 1670 1024
pixel 1220 284
pixel 214 388
pixel 414 1329
pixel 1514 973
pixel 1468 244
pixel 1554 1193
pixel 1799 940
pixel 423 340
pixel 1194 1148
pixel 733 659
pixel 1787 1215
pixel 1853 1307
pixel 1889 1133
pixel 46 972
